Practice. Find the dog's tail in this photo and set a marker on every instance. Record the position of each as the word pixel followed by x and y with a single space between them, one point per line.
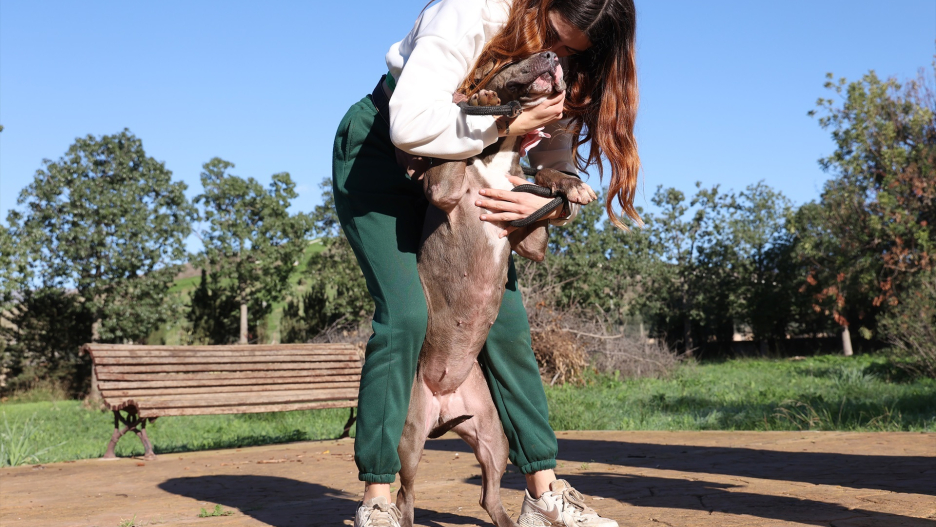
pixel 440 430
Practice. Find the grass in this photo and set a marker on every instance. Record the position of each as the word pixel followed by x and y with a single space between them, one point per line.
pixel 861 393
pixel 18 442
pixel 66 430
pixel 218 511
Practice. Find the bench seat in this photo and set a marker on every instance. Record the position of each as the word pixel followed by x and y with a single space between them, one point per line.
pixel 147 382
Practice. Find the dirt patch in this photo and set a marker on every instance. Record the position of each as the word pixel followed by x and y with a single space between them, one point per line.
pixel 638 478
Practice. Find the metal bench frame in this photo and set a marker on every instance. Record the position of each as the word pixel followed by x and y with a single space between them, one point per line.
pixel 139 384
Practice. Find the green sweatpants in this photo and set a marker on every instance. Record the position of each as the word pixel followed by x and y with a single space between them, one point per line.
pixel 381 211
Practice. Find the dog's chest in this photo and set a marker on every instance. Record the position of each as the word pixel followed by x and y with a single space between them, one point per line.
pixel 491 173
pixel 493 169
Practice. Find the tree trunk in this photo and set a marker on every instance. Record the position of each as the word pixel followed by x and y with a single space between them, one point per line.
pixel 687 335
pixel 687 323
pixel 94 395
pixel 243 323
pixel 846 342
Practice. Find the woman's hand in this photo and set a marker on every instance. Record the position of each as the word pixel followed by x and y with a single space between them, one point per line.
pixel 509 206
pixel 548 111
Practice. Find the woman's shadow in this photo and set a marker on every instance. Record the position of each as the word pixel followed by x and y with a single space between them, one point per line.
pixel 284 502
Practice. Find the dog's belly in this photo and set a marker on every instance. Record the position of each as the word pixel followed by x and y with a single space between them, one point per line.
pixel 463 269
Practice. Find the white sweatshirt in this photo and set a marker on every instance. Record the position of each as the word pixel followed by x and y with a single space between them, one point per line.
pixel 430 64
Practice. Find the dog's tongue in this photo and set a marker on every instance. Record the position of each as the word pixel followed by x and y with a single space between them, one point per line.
pixel 531 139
pixel 558 74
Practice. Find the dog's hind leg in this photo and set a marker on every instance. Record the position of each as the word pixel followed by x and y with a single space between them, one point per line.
pixel 485 434
pixel 411 446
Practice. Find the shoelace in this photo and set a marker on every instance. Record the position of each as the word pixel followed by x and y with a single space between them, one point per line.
pixel 575 498
pixel 382 515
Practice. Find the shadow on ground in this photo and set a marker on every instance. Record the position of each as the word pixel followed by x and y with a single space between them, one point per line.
pixel 644 491
pixel 285 502
pixel 905 474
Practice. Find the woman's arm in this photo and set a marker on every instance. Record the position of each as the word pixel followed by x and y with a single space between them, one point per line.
pixel 556 153
pixel 435 58
pixel 430 64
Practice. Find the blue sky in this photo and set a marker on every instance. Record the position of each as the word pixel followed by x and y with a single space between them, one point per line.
pixel 725 86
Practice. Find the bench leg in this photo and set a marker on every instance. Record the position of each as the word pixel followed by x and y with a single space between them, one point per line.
pixel 347 426
pixel 147 446
pixel 118 433
pixel 131 422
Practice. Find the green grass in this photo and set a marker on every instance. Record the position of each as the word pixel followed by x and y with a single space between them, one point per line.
pixel 66 430
pixel 861 393
pixel 822 393
pixel 218 511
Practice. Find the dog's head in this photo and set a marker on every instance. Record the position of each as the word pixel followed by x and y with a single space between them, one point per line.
pixel 529 81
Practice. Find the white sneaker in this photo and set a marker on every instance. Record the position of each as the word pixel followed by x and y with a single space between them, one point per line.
pixel 377 512
pixel 560 505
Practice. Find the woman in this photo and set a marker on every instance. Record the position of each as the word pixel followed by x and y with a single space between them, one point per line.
pixel 381 210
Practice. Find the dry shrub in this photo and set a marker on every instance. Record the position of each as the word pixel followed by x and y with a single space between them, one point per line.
pixel 632 356
pixel 356 334
pixel 560 355
pixel 581 340
pixel 566 339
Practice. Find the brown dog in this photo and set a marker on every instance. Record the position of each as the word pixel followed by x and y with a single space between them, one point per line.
pixel 463 268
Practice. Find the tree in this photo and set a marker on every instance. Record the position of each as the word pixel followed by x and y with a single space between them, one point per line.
pixel 102 228
pixel 766 275
pixel 108 221
pixel 251 242
pixel 213 312
pixel 695 266
pixel 336 293
pixel 877 212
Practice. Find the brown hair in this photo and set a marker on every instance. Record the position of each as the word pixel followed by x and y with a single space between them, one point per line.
pixel 602 96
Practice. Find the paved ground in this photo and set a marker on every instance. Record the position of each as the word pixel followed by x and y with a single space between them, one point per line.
pixel 640 478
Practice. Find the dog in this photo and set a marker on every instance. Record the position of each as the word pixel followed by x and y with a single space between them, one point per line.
pixel 462 263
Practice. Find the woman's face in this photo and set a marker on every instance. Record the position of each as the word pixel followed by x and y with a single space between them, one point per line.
pixel 570 39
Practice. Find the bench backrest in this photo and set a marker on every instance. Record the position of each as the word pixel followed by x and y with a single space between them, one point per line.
pixel 198 380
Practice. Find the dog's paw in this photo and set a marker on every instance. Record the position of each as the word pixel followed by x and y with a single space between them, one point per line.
pixel 574 188
pixel 484 98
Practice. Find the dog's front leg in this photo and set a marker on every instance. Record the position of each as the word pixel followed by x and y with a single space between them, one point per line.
pixel 445 184
pixel 572 187
pixel 530 241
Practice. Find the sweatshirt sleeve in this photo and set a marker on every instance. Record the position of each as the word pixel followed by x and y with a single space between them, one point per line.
pixel 423 119
pixel 556 153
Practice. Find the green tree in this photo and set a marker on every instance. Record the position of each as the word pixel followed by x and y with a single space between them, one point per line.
pixel 251 242
pixel 694 266
pixel 766 279
pixel 335 290
pixel 107 224
pixel 877 211
pixel 213 312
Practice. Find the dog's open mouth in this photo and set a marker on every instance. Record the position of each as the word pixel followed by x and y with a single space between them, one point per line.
pixel 547 81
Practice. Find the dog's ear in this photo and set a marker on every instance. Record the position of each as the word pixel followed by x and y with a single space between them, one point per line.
pixel 530 241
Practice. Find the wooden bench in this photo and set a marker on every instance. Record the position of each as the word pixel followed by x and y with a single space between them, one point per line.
pixel 142 383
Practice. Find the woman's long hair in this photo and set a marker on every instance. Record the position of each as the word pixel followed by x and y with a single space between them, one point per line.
pixel 601 98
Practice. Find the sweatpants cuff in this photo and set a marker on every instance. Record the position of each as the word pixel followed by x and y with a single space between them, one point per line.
pixel 382 478
pixel 536 466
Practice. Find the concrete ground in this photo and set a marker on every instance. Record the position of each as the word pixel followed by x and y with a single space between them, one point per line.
pixel 697 479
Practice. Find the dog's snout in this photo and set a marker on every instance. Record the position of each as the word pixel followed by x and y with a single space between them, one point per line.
pixel 549 55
